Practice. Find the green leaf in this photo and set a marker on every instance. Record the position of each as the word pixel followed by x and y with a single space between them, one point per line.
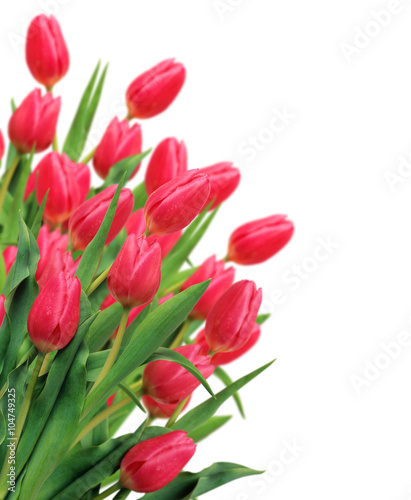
pixel 201 413
pixel 148 337
pixel 41 408
pixel 91 256
pixel 162 353
pixel 133 397
pixel 125 166
pixel 5 335
pixel 140 196
pixel 212 424
pixel 104 326
pixel 188 485
pixel 61 428
pixel 2 427
pixel 226 380
pixel 35 228
pixel 122 494
pixel 262 318
pixel 80 127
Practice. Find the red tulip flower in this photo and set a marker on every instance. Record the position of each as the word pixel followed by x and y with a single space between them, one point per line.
pixel 9 256
pixel 58 262
pixel 46 51
pixel 87 219
pixel 54 316
pixel 152 464
pixel 176 203
pixel 159 410
pixel 135 276
pixel 118 142
pixel 168 160
pixel 168 382
pixel 221 279
pixel 224 179
pixel 223 358
pixel 231 320
pixel 67 182
pixel 2 310
pixel 259 240
pixel 152 92
pixel 34 122
pixel 49 242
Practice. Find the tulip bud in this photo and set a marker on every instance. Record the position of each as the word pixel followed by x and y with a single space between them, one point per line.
pixel 54 316
pixel 49 242
pixel 259 240
pixel 136 224
pixel 119 141
pixel 152 464
pixel 224 179
pixel 152 92
pixel 220 280
pixel 34 122
pixel 159 410
pixel 230 321
pixel 46 51
pixel 168 382
pixel 87 219
pixel 2 310
pixel 223 358
pixel 168 160
pixel 9 256
pixel 135 276
pixel 67 182
pixel 58 262
pixel 176 203
pixel 1 145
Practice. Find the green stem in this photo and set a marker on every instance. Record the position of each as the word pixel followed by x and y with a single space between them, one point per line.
pixel 181 334
pixel 21 419
pixel 88 157
pixel 109 491
pixel 7 179
pixel 115 349
pixel 98 281
pixel 55 143
pixel 176 412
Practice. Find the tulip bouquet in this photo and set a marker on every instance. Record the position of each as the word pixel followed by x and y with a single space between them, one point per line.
pixel 102 312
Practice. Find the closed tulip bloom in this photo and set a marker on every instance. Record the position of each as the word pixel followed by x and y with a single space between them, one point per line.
pixel 176 203
pixel 46 51
pixel 159 410
pixel 259 240
pixel 223 358
pixel 9 256
pixel 119 141
pixel 49 242
pixel 152 464
pixel 135 276
pixel 152 92
pixel 2 310
pixel 169 383
pixel 168 160
pixel 54 316
pixel 1 145
pixel 67 183
pixel 224 179
pixel 231 320
pixel 221 279
pixel 87 219
pixel 34 122
pixel 136 224
pixel 58 262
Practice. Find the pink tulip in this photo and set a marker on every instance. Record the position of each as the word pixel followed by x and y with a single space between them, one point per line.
pixel 224 179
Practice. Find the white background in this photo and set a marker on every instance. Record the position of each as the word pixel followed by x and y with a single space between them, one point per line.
pixel 327 169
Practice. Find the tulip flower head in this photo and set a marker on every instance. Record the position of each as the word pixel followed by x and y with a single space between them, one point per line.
pixel 159 410
pixel 49 242
pixel 231 320
pixel 152 92
pixel 58 262
pixel 155 462
pixel 54 315
pixel 224 179
pixel 9 256
pixel 34 122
